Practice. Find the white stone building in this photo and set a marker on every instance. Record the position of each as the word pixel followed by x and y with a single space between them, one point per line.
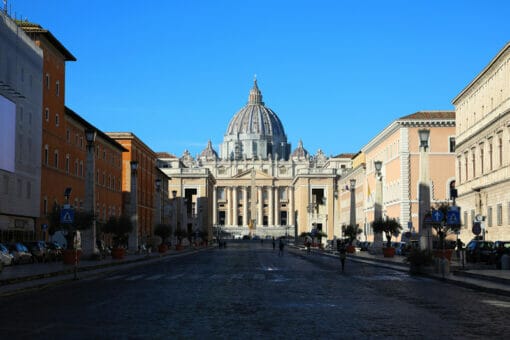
pixel 256 186
pixel 483 149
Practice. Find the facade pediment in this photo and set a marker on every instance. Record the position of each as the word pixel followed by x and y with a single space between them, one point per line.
pixel 247 174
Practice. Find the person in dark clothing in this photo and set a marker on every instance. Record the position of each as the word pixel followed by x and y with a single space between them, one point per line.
pixel 342 250
pixel 274 244
pixel 281 246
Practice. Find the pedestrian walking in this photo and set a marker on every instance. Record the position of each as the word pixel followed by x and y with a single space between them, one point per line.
pixel 308 245
pixel 342 250
pixel 281 246
pixel 274 244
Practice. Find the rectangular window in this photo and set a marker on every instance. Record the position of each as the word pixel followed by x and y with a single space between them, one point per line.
pixel 46 114
pixel 499 214
pixel 472 219
pixel 489 217
pixel 452 144
pixel 57 88
pixel 68 136
pixel 55 159
pixel 57 120
pixel 47 80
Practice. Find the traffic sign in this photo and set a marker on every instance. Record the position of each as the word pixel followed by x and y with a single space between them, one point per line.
pixel 67 216
pixel 477 229
pixel 453 217
pixel 437 216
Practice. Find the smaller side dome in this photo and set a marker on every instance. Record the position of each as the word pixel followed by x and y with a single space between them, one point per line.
pixel 208 154
pixel 300 152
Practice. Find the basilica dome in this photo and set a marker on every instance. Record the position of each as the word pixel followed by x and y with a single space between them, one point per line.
pixel 255 131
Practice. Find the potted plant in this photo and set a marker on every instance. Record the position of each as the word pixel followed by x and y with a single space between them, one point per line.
pixel 320 234
pixel 390 227
pixel 119 228
pixel 164 231
pixel 352 232
pixel 418 259
pixel 71 231
pixel 180 234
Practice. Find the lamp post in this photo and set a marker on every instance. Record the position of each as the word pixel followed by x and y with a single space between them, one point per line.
pixel 378 239
pixel 352 219
pixel 89 241
pixel 424 189
pixel 157 182
pixel 133 236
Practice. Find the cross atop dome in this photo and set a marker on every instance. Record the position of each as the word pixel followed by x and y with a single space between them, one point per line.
pixel 255 97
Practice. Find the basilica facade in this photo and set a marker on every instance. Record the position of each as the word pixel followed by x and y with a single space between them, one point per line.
pixel 257 185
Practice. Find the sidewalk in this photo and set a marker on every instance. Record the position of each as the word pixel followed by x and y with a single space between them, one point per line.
pixel 478 277
pixel 17 278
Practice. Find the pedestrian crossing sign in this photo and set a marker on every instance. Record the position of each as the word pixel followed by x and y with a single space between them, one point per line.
pixel 67 216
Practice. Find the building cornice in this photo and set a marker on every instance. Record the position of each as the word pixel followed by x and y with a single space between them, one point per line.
pixel 495 60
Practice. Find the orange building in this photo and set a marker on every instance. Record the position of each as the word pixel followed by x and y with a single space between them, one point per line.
pixel 145 185
pixel 64 144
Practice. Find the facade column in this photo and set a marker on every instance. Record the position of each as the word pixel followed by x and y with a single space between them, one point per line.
pixel 234 206
pixel 245 206
pixel 270 211
pixel 215 206
pixel 277 206
pixel 290 212
pixel 260 211
pixel 229 206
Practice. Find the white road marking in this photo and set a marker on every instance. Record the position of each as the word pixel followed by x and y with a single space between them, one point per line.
pixel 136 277
pixel 155 277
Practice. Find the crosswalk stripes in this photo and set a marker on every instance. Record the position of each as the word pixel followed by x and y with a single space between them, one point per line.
pixel 197 277
pixel 155 277
pixel 116 277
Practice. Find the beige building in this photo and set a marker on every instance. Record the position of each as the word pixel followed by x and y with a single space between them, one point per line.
pixel 483 162
pixel 256 185
pixel 398 148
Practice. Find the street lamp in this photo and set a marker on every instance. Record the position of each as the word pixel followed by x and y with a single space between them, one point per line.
pixel 89 241
pixel 133 236
pixel 378 240
pixel 157 182
pixel 353 202
pixel 424 189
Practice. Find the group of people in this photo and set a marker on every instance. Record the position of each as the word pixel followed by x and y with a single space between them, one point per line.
pixel 281 246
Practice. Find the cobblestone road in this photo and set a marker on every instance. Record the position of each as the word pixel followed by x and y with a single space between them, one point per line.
pixel 248 291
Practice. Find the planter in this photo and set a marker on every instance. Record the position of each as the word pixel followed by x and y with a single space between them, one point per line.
pixel 69 256
pixel 351 249
pixel 443 254
pixel 163 248
pixel 179 247
pixel 118 253
pixel 388 252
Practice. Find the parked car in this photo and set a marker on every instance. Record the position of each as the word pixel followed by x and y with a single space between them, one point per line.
pixel 21 253
pixel 6 258
pixel 53 251
pixel 38 250
pixel 478 250
pixel 500 248
pixel 364 245
pixel 401 248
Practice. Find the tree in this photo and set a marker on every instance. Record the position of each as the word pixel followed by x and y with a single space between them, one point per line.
pixel 119 227
pixel 163 230
pixel 180 234
pixel 82 221
pixel 352 231
pixel 389 226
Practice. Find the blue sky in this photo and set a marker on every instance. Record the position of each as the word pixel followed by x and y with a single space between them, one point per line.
pixel 335 72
